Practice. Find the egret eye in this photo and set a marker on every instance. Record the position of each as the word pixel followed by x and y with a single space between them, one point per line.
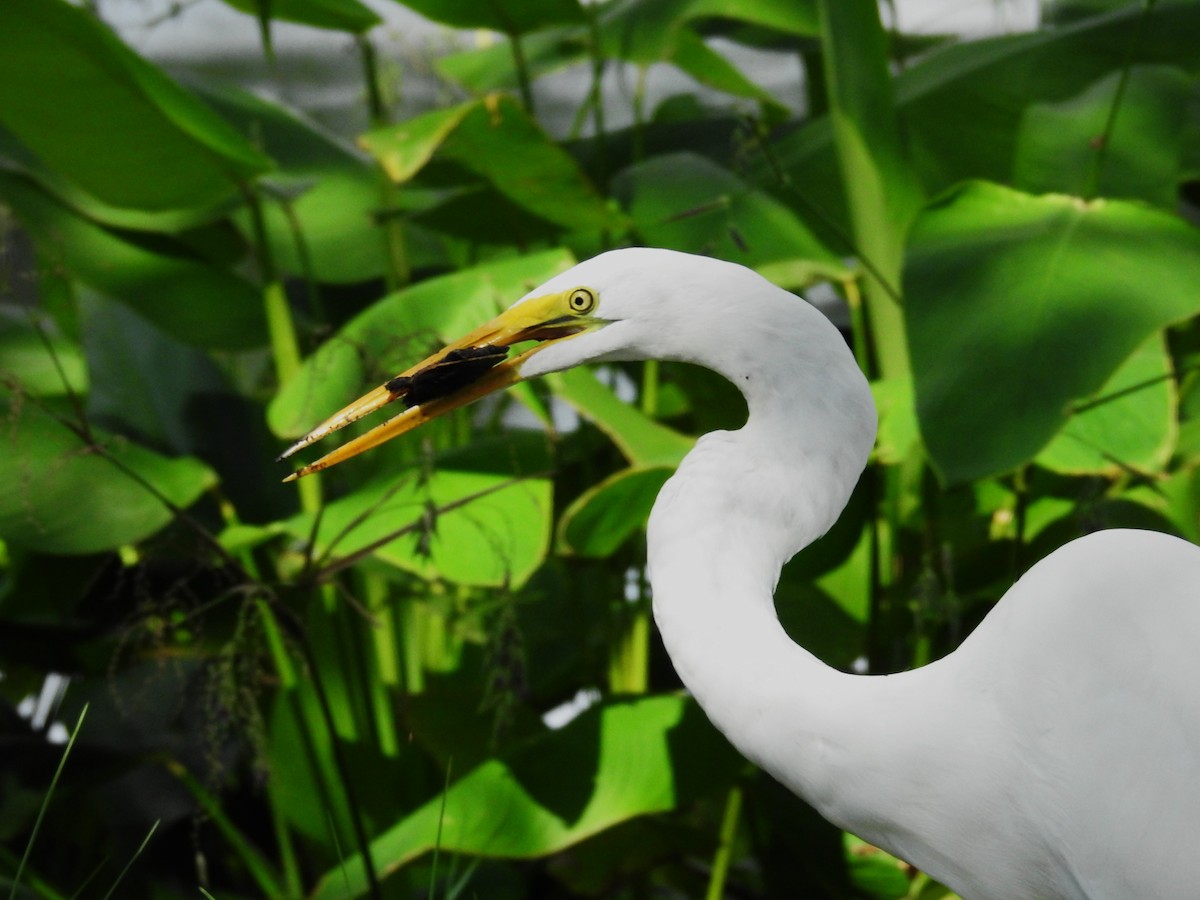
pixel 581 300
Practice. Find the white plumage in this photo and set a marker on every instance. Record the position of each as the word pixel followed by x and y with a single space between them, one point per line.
pixel 1055 754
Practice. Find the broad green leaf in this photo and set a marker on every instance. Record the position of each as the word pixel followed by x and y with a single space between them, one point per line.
pixel 400 330
pixel 508 16
pixel 498 141
pixel 485 69
pixel 115 124
pixel 683 201
pixel 157 275
pixel 330 190
pixel 1129 423
pixel 645 32
pixel 642 32
pixel 607 514
pixel 42 362
pixel 338 15
pixel 695 57
pixel 405 148
pixel 497 536
pixel 882 191
pixel 613 763
pixel 62 495
pixel 1144 156
pixel 642 441
pixel 962 106
pixel 1017 306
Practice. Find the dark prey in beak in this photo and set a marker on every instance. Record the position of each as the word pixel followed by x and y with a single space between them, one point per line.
pixel 455 370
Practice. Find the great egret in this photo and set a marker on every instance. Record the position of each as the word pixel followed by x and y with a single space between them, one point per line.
pixel 1054 754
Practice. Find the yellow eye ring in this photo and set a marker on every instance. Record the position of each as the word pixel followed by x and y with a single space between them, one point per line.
pixel 581 301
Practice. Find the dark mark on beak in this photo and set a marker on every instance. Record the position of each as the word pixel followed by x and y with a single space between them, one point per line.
pixel 451 373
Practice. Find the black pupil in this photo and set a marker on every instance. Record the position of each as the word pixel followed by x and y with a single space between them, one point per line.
pixel 580 300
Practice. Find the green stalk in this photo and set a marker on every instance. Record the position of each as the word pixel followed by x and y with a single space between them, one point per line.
pixel 285 346
pixel 256 864
pixel 412 623
pixel 729 825
pixel 524 82
pixel 1110 122
pixel 386 655
pixel 345 775
pixel 141 848
pixel 399 270
pixel 37 823
pixel 882 192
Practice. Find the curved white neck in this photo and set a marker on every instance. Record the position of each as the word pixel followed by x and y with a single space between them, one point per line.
pixel 741 504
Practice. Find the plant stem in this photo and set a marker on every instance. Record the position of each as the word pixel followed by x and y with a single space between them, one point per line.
pixel 37 823
pixel 285 346
pixel 398 271
pixel 1102 141
pixel 256 864
pixel 524 83
pixel 729 825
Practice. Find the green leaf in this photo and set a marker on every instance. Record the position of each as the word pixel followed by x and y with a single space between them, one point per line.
pixel 507 16
pixel 331 190
pixel 642 32
pixel 1027 304
pixel 156 274
pixel 1129 424
pixel 491 68
pixel 337 15
pixel 683 201
pixel 116 125
pixel 401 329
pixel 497 140
pixel 645 32
pixel 1143 156
pixel 61 495
pixel 497 537
pixel 641 440
pixel 963 106
pixel 43 362
pixel 613 763
pixel 607 514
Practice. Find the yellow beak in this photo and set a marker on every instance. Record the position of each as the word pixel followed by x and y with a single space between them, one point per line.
pixel 461 372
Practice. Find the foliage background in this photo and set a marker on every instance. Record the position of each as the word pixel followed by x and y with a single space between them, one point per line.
pixel 261 683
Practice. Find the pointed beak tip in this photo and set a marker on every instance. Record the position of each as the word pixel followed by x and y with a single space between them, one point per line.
pixel 293 477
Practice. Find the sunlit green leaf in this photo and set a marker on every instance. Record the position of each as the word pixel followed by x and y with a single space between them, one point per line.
pixel 1028 303
pixel 157 275
pixel 497 140
pixel 497 536
pixel 62 495
pixel 1128 424
pixel 611 764
pixel 641 440
pixel 606 515
pixel 117 125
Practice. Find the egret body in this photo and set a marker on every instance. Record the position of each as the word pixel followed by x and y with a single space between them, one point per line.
pixel 1054 754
